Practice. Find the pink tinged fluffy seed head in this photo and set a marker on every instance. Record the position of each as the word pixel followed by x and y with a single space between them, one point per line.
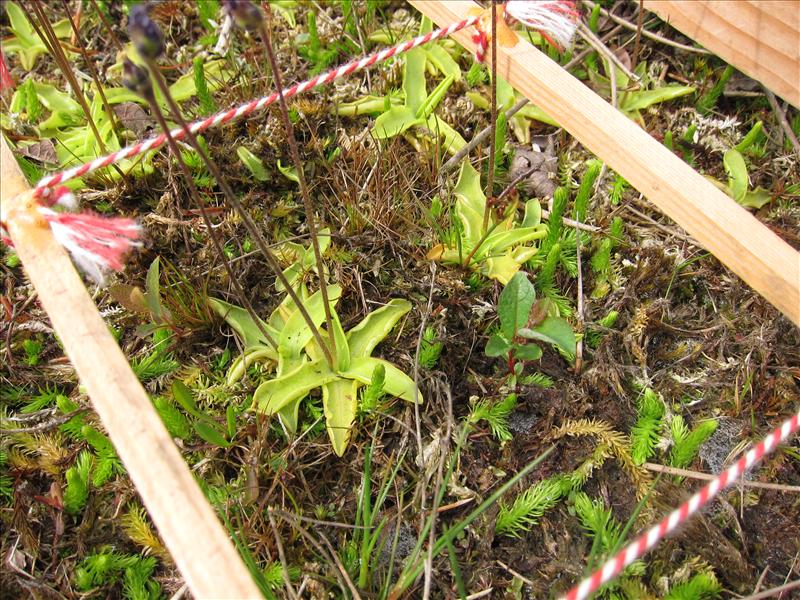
pixel 557 20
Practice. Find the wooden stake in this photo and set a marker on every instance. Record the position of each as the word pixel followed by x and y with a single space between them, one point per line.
pixel 761 39
pixel 741 242
pixel 187 523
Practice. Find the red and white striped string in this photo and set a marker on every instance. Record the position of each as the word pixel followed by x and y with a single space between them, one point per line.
pixel 556 19
pixel 97 243
pixel 42 188
pixel 635 550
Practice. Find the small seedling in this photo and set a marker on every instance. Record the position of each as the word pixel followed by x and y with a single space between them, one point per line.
pixel 518 324
pixel 430 349
pixel 686 443
pixel 206 427
pixel 529 506
pixel 738 186
pixel 33 351
pixel 645 433
pixel 495 414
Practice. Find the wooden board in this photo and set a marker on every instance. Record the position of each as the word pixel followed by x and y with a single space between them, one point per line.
pixel 760 38
pixel 741 242
pixel 191 531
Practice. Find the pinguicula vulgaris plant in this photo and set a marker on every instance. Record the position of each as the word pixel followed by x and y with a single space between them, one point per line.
pixel 298 362
pixel 497 250
pixel 293 338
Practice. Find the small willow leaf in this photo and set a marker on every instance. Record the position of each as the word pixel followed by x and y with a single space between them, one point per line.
pixel 514 306
pixel 553 330
pixel 210 434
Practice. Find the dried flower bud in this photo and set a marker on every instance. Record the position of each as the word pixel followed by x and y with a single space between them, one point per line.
pixel 136 79
pixel 246 14
pixel 144 33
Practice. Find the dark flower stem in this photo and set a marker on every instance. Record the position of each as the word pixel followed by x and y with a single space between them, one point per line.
pixel 173 146
pixel 493 134
pixel 92 70
pixel 230 197
pixel 298 165
pixel 108 27
pixel 45 32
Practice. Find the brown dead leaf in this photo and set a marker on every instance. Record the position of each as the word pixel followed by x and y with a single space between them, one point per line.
pixel 44 152
pixel 623 57
pixel 129 297
pixel 133 117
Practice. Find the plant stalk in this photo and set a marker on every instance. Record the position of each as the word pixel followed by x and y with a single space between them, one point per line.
pixel 298 165
pixel 173 146
pixel 230 197
pixel 493 134
pixel 45 32
pixel 92 69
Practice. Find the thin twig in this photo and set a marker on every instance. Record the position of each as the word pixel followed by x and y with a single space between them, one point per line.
pixel 638 43
pixel 516 574
pixel 340 566
pixel 444 450
pixel 781 115
pixel 795 489
pixel 595 42
pixel 646 33
pixel 287 581
pixel 774 592
pixel 283 514
pixel 317 546
pixel 417 420
pixel 48 424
